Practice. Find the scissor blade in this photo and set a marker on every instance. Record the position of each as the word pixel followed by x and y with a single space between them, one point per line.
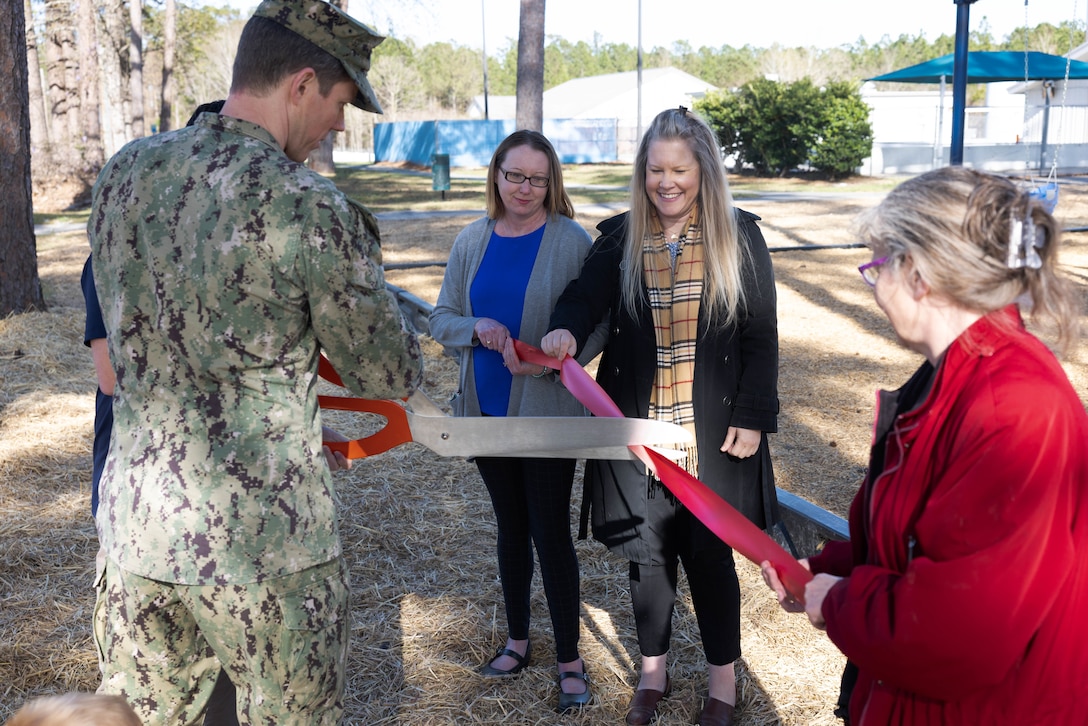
pixel 544 437
pixel 598 452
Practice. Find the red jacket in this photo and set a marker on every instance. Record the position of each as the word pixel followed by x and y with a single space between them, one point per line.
pixel 966 598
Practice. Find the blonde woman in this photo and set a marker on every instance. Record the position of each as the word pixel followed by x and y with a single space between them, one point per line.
pixel 693 339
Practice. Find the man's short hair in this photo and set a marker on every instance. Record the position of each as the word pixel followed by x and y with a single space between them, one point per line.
pixel 325 27
pixel 269 52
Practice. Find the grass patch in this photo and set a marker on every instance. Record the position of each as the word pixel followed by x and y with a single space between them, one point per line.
pixel 393 190
pixel 65 218
pixel 385 189
pixel 390 189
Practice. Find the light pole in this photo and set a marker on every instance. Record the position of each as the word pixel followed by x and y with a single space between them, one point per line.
pixel 483 44
pixel 638 130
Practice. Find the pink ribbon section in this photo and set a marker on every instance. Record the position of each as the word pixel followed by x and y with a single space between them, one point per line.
pixel 731 526
pixel 723 520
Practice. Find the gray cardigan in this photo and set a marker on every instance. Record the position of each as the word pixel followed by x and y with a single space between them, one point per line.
pixel 562 251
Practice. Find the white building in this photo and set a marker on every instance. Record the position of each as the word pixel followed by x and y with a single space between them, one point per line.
pixel 613 95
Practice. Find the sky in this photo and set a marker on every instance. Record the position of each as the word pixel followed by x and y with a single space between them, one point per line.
pixel 493 24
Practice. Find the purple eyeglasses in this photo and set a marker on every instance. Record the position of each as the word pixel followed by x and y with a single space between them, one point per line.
pixel 870 271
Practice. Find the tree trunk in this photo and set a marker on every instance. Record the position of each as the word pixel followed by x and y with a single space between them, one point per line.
pixel 113 65
pixel 71 75
pixel 321 158
pixel 39 123
pixel 20 288
pixel 530 98
pixel 57 30
pixel 89 122
pixel 136 65
pixel 169 85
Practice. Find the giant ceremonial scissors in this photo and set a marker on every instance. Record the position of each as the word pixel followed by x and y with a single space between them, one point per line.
pixel 551 437
pixel 544 440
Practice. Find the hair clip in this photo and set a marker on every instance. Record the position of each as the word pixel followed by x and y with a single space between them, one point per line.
pixel 1024 239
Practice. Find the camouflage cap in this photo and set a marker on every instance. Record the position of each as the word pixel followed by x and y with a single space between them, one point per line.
pixel 335 32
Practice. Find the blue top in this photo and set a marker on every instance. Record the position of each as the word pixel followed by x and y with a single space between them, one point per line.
pixel 103 404
pixel 498 292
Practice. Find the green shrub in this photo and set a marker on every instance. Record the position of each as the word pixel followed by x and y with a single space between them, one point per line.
pixel 846 136
pixel 777 127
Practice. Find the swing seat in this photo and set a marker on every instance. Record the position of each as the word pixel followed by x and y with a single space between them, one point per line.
pixel 1046 194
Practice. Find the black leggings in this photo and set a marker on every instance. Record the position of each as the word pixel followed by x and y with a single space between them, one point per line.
pixel 715 593
pixel 531 498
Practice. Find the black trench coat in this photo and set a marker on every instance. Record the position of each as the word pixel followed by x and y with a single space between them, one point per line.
pixel 736 384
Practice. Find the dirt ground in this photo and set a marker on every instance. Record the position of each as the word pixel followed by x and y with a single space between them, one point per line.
pixel 418 529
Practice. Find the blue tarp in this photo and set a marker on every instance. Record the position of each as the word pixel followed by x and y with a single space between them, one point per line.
pixel 471 143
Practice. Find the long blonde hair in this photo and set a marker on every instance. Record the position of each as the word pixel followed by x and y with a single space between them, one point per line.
pixel 726 251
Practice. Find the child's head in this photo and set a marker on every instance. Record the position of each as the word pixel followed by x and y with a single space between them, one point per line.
pixel 76 709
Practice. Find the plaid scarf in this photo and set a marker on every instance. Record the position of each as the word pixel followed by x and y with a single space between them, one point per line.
pixel 674 287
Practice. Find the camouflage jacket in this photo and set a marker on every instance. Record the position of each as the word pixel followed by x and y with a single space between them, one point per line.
pixel 223 268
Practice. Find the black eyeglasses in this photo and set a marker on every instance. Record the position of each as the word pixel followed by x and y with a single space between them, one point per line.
pixel 516 178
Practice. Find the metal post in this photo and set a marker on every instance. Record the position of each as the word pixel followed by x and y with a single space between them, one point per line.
pixel 638 131
pixel 938 144
pixel 1048 88
pixel 959 80
pixel 483 44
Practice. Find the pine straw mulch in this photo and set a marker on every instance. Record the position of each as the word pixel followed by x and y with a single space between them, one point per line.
pixel 418 529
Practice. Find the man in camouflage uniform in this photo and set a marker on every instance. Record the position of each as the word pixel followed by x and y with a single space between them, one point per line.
pixel 224 267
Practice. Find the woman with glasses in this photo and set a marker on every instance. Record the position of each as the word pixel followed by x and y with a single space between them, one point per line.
pixel 687 283
pixel 961 595
pixel 504 274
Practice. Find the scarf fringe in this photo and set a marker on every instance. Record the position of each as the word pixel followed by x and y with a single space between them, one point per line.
pixel 674 287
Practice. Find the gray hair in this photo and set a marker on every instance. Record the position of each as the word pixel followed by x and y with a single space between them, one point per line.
pixel 956 225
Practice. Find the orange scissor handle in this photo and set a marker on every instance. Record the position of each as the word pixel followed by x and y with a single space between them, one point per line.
pixel 395 432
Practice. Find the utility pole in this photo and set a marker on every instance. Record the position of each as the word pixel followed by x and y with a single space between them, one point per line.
pixel 483 45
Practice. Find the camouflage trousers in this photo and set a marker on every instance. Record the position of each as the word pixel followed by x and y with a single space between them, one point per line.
pixel 282 641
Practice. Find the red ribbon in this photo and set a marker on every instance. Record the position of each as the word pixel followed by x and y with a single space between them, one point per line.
pixel 723 520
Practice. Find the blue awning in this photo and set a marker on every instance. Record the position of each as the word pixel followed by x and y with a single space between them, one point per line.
pixel 991 66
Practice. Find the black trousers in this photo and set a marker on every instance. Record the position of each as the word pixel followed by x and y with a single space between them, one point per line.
pixel 531 498
pixel 715 593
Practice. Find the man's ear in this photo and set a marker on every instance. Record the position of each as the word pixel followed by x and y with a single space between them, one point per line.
pixel 302 82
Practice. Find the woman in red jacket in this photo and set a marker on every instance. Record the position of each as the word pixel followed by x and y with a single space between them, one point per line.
pixel 962 595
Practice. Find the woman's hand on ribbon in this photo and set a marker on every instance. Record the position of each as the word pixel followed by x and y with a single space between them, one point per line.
pixel 816 590
pixel 559 343
pixel 515 365
pixel 491 333
pixel 741 443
